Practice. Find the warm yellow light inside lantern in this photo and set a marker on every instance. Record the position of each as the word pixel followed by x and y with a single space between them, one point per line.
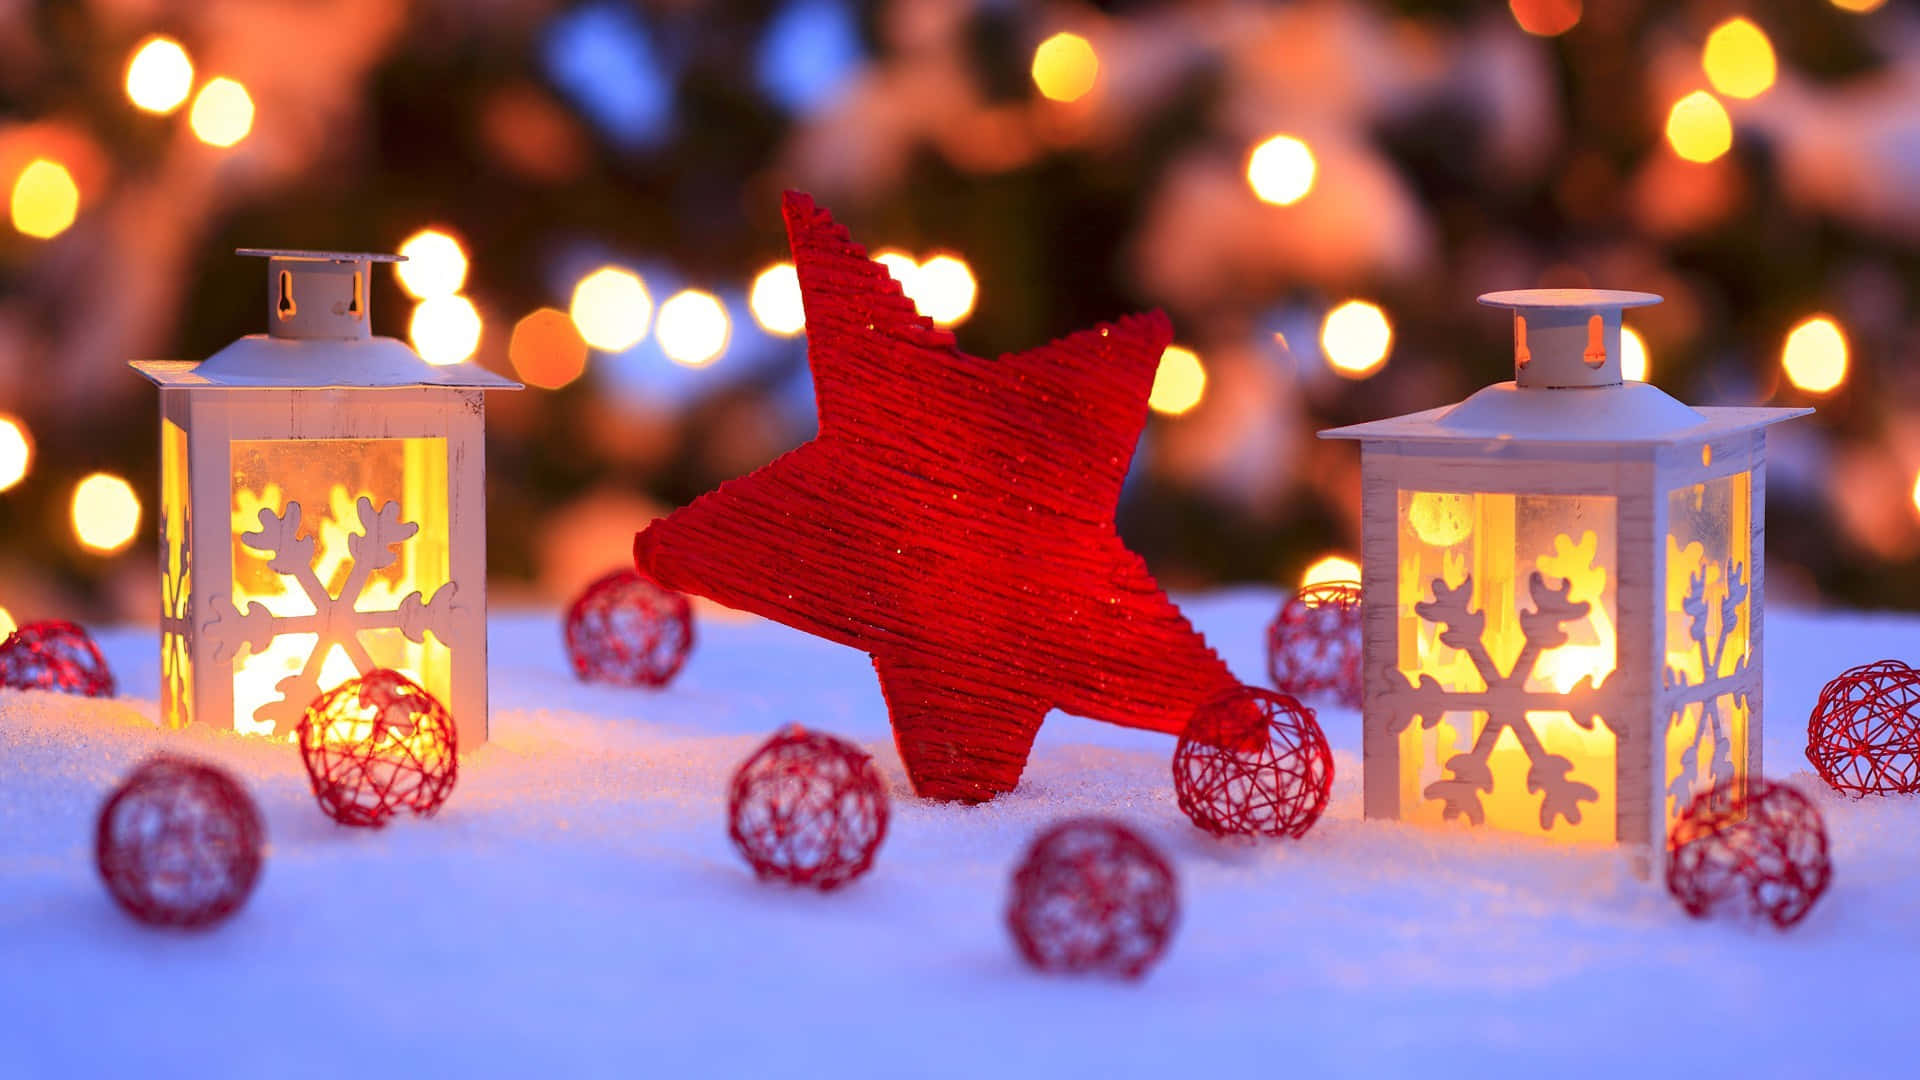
pixel 1709 626
pixel 176 584
pixel 1065 67
pixel 367 618
pixel 1489 546
pixel 159 76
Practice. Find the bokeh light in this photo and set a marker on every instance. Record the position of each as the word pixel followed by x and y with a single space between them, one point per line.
pixel 1179 383
pixel 1356 338
pixel 445 329
pixel 1545 18
pixel 775 300
pixel 693 328
pixel 435 266
pixel 159 76
pixel 944 289
pixel 45 199
pixel 1330 568
pixel 1065 67
pixel 1281 170
pixel 1698 127
pixel 611 309
pixel 222 113
pixel 106 513
pixel 1738 59
pixel 16 452
pixel 546 349
pixel 901 265
pixel 1633 355
pixel 1858 7
pixel 1815 355
pixel 7 625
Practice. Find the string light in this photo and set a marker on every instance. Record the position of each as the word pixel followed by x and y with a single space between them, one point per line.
pixel 1065 67
pixel 16 452
pixel 1858 7
pixel 1698 127
pixel 106 513
pixel 1179 383
pixel 1545 18
pixel 775 300
pixel 1633 355
pixel 1330 568
pixel 901 266
pixel 1281 170
pixel 1916 493
pixel 611 309
pixel 159 76
pixel 222 113
pixel 45 199
pixel 1738 59
pixel 1356 338
pixel 1815 355
pixel 7 625
pixel 944 289
pixel 693 328
pixel 435 266
pixel 445 329
pixel 546 349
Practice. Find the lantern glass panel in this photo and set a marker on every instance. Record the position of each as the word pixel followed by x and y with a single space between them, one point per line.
pixel 1466 568
pixel 176 585
pixel 328 478
pixel 1709 625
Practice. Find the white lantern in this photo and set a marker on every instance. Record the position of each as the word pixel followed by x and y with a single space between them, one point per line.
pixel 1563 580
pixel 322 511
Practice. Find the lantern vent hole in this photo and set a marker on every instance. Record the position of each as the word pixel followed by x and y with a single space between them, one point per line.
pixel 1596 354
pixel 286 306
pixel 1706 454
pixel 1520 353
pixel 355 307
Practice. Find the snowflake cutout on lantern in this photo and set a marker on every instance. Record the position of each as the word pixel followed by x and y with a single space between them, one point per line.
pixel 336 619
pixel 1711 649
pixel 1470 775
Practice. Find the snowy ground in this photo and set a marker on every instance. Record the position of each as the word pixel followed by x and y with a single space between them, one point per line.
pixel 577 910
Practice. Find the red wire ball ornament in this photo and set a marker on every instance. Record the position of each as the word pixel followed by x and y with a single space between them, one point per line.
pixel 1253 763
pixel 53 654
pixel 179 843
pixel 808 809
pixel 1864 735
pixel 1314 646
pixel 1092 896
pixel 377 745
pixel 626 630
pixel 1768 847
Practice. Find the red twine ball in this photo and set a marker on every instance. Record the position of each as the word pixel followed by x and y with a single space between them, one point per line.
pixel 1769 846
pixel 1313 644
pixel 1253 762
pixel 1092 896
pixel 377 745
pixel 178 843
pixel 54 654
pixel 626 630
pixel 1864 735
pixel 808 809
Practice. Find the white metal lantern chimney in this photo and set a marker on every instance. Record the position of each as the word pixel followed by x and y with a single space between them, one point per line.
pixel 322 511
pixel 1563 579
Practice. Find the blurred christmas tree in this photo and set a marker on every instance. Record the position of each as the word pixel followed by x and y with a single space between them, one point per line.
pixel 1315 191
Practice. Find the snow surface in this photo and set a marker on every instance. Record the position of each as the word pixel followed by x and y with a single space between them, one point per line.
pixel 577 910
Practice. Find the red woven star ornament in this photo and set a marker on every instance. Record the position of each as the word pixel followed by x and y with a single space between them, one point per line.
pixel 954 519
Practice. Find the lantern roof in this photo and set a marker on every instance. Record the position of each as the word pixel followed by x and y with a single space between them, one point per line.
pixel 319 336
pixel 1567 386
